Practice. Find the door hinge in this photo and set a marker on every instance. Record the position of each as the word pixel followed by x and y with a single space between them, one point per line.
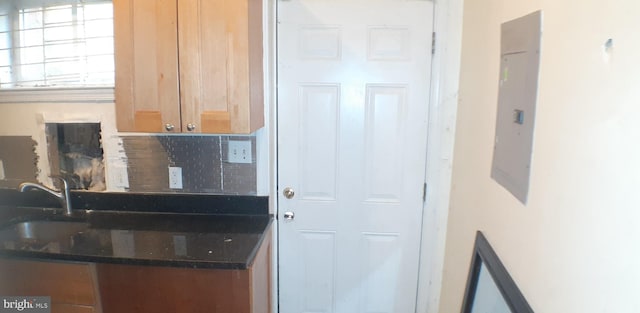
pixel 424 192
pixel 433 43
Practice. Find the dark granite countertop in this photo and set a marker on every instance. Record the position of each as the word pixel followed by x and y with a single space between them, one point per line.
pixel 142 202
pixel 228 238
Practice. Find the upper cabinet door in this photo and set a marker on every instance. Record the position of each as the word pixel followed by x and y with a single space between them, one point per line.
pixel 189 66
pixel 220 60
pixel 146 56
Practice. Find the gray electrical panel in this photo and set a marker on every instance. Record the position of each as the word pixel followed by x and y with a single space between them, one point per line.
pixel 517 96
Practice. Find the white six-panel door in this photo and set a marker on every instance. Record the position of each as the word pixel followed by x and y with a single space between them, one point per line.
pixel 353 90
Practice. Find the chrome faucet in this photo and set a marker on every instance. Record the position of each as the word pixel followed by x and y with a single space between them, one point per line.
pixel 63 195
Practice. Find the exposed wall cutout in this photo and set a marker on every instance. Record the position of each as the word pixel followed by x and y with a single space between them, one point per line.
pixel 75 153
pixel 517 96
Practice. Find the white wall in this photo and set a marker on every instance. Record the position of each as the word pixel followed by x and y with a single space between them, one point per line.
pixel 575 246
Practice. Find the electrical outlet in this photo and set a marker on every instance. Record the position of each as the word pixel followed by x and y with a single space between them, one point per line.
pixel 239 151
pixel 2 170
pixel 175 177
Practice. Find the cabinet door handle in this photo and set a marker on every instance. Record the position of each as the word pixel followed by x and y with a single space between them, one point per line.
pixel 169 127
pixel 191 127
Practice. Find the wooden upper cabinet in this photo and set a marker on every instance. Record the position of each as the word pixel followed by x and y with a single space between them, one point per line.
pixel 146 55
pixel 195 65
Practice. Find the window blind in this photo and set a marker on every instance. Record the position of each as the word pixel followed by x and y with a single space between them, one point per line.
pixel 56 44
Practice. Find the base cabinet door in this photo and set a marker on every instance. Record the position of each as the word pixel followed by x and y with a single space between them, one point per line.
pixel 71 286
pixel 140 289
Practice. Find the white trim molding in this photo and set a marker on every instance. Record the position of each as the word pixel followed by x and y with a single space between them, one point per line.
pixel 441 136
pixel 58 95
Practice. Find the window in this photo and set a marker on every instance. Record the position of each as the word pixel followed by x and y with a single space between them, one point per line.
pixel 59 43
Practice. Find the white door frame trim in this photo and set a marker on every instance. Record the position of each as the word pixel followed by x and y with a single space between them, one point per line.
pixel 443 107
pixel 442 122
pixel 266 138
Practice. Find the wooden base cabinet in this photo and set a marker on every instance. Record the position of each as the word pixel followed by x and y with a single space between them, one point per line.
pixel 138 289
pixel 189 66
pixel 71 286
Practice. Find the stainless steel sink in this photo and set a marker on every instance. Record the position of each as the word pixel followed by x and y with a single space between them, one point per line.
pixel 40 233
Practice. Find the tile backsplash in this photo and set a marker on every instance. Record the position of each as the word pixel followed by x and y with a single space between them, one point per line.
pixel 203 159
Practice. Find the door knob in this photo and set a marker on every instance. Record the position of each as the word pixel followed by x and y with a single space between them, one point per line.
pixel 169 127
pixel 289 216
pixel 191 127
pixel 288 192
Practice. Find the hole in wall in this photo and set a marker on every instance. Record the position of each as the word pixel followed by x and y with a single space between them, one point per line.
pixel 75 153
